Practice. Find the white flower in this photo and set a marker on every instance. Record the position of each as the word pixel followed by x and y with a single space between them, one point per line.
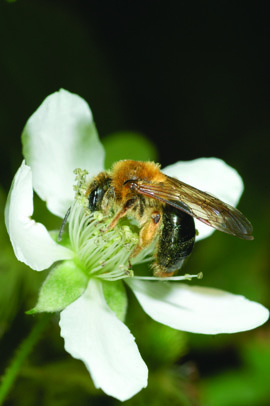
pixel 59 137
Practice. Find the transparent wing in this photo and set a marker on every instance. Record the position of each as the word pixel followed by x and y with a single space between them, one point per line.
pixel 198 204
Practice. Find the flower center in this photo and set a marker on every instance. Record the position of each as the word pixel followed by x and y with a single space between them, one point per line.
pixel 103 253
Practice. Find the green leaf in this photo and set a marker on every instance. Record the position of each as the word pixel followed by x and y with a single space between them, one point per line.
pixel 128 145
pixel 116 298
pixel 64 284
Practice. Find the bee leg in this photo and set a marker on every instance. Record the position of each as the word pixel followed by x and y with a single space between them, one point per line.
pixel 161 273
pixel 115 220
pixel 129 204
pixel 147 233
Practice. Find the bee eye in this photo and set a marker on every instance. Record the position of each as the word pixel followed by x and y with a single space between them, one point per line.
pixel 95 198
pixel 132 183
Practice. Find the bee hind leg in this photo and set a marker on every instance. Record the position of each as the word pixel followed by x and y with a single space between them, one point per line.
pixel 147 233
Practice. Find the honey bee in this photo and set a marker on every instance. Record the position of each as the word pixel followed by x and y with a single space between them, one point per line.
pixel 164 208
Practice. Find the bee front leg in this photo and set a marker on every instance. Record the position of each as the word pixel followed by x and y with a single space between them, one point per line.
pixel 129 204
pixel 148 233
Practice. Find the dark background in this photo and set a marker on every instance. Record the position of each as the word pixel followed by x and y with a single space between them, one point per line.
pixel 191 76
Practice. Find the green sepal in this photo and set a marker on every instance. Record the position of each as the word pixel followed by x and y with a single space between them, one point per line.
pixel 64 284
pixel 116 297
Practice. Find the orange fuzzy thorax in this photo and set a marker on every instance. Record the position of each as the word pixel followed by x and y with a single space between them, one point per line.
pixel 125 170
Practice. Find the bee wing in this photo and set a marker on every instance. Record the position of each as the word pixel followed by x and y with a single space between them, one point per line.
pixel 198 204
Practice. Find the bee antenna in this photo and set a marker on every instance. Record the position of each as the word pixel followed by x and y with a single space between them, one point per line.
pixel 63 224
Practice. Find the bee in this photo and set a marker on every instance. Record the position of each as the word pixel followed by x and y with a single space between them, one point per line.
pixel 164 208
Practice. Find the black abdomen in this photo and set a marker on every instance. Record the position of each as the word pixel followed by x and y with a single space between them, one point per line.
pixel 176 240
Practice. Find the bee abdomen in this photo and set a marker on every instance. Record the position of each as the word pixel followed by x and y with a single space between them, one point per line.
pixel 175 242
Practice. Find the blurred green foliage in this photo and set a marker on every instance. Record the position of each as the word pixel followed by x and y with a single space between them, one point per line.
pixel 248 383
pixel 128 145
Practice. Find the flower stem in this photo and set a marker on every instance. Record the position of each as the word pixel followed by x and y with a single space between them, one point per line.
pixel 20 355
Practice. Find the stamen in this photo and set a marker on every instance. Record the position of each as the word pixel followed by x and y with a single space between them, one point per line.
pixel 171 278
pixel 59 238
pixel 103 254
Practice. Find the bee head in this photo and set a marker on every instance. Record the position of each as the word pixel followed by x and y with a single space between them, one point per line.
pixel 96 191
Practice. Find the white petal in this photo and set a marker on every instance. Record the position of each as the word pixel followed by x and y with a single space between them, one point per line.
pixel 58 138
pixel 31 241
pixel 211 175
pixel 198 309
pixel 96 336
